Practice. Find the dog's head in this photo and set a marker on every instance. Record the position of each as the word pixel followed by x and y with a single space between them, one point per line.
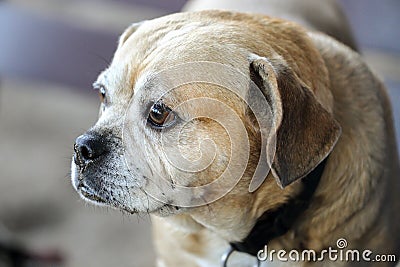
pixel 191 107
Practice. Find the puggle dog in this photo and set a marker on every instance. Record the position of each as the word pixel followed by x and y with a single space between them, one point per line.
pixel 184 99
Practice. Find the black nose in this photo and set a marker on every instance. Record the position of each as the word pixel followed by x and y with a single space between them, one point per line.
pixel 88 147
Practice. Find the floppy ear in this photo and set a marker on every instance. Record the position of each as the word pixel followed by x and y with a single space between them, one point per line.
pixel 128 32
pixel 305 131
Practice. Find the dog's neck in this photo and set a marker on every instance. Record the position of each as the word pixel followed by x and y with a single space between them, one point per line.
pixel 277 222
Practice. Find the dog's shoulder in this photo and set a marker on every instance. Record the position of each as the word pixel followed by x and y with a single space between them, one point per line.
pixel 365 158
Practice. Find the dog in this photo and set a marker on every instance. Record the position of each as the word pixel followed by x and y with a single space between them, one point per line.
pixel 242 133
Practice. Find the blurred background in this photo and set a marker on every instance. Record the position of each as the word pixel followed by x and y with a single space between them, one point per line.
pixel 50 53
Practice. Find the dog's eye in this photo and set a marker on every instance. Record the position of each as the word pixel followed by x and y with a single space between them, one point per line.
pixel 101 91
pixel 161 116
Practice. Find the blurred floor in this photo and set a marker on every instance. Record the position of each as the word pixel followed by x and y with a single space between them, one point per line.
pixel 39 120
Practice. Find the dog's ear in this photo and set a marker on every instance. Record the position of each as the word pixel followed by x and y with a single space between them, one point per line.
pixel 305 131
pixel 128 32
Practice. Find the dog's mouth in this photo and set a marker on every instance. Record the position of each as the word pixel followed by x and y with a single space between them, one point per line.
pixel 105 197
pixel 90 194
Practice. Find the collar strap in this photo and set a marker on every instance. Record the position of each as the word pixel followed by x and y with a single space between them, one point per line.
pixel 225 257
pixel 277 222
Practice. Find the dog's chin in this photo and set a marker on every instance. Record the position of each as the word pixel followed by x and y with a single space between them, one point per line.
pixel 167 210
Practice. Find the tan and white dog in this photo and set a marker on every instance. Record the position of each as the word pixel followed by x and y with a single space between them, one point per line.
pixel 173 86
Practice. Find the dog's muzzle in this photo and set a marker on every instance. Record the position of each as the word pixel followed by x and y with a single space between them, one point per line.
pixel 89 148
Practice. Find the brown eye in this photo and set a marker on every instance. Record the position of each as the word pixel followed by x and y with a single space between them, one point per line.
pixel 161 116
pixel 102 94
pixel 101 91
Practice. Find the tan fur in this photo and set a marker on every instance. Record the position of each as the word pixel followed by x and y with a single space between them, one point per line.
pixel 357 198
pixel 325 16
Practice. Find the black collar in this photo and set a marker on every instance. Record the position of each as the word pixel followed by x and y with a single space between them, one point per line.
pixel 277 222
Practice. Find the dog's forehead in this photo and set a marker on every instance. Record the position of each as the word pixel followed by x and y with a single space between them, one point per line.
pixel 224 38
pixel 162 43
